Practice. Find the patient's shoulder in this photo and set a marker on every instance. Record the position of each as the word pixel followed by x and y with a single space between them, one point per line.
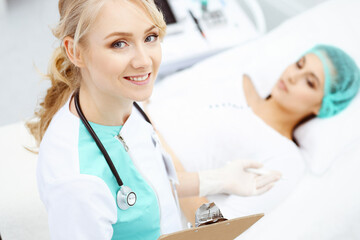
pixel 251 95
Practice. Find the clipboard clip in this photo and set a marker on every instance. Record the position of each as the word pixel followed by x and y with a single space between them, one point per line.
pixel 208 213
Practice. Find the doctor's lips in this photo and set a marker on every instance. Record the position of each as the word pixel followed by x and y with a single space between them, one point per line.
pixel 282 85
pixel 139 79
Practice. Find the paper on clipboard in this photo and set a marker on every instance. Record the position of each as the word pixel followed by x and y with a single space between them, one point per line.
pixel 226 230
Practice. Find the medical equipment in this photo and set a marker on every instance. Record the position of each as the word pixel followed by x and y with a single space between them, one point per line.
pixel 342 79
pixel 225 23
pixel 173 14
pixel 125 197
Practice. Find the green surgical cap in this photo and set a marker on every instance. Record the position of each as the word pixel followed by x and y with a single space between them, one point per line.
pixel 342 79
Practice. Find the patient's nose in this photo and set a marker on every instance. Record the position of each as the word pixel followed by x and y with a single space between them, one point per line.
pixel 292 80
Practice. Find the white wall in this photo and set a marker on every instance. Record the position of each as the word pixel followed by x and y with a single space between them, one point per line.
pixel 2 7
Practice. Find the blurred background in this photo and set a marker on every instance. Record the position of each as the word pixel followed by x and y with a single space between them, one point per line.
pixel 26 45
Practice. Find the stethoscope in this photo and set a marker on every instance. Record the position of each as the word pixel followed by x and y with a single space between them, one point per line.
pixel 125 197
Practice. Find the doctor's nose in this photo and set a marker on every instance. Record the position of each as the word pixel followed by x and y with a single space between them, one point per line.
pixel 141 58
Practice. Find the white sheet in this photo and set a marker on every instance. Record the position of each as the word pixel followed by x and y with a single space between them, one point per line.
pixel 325 207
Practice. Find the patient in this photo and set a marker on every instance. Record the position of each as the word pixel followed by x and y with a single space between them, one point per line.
pixel 211 123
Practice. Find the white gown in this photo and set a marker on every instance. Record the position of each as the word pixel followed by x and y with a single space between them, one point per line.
pixel 208 124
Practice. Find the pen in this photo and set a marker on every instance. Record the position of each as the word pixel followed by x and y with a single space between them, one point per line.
pixel 197 24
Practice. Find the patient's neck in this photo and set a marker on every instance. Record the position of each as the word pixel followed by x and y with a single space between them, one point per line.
pixel 277 117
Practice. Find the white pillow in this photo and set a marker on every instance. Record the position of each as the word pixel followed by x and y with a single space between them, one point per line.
pixel 324 140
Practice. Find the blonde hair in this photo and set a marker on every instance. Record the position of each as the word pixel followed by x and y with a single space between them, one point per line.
pixel 76 18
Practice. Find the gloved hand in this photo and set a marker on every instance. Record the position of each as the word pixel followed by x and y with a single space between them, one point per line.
pixel 233 179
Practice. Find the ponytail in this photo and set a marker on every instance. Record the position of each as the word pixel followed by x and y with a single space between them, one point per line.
pixel 64 80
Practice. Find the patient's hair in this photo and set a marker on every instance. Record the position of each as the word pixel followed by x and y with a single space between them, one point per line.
pixel 76 18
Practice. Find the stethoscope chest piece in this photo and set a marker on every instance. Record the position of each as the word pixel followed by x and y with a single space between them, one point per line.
pixel 125 198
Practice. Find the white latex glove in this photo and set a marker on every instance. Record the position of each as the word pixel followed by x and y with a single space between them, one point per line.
pixel 234 179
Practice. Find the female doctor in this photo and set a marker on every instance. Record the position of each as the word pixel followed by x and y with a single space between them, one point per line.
pixel 102 173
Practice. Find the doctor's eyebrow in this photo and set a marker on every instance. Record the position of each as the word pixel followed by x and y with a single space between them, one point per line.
pixel 126 33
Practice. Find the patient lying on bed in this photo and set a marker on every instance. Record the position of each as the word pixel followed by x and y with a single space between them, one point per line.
pixel 213 122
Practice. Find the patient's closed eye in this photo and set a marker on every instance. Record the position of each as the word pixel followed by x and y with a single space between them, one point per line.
pixel 310 83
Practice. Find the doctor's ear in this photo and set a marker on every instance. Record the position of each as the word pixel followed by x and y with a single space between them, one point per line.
pixel 74 54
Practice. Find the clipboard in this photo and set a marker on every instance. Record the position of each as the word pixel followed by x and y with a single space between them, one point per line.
pixel 225 230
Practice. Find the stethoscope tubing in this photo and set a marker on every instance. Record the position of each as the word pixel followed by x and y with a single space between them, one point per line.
pixel 96 139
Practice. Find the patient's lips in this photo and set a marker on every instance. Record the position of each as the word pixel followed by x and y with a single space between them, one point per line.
pixel 282 85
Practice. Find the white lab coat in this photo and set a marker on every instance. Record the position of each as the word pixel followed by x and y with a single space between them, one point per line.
pixel 65 191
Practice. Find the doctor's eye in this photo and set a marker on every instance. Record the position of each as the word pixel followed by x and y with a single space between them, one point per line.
pixel 300 63
pixel 118 44
pixel 151 38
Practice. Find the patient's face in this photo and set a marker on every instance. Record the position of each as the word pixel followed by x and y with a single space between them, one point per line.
pixel 300 88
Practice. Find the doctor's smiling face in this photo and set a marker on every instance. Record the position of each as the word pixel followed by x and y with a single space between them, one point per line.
pixel 300 89
pixel 121 53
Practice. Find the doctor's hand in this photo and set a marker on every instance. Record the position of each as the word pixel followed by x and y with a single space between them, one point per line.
pixel 234 179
